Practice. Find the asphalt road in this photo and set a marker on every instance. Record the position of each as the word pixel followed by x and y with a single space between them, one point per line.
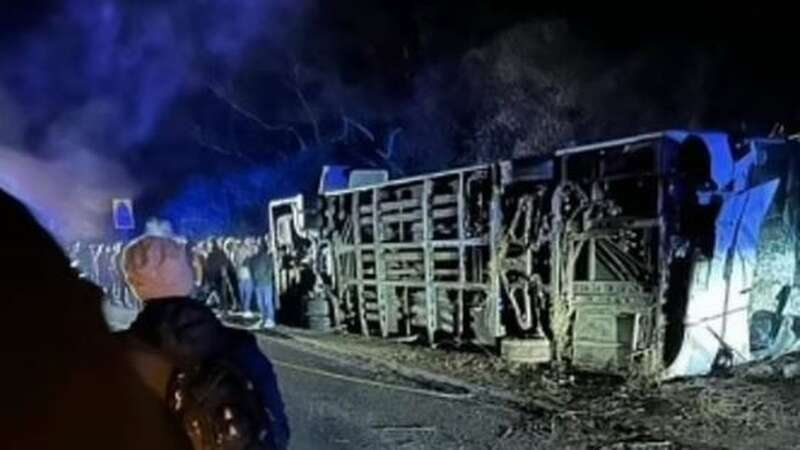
pixel 336 404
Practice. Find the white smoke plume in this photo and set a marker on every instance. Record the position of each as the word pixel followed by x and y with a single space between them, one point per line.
pixel 71 195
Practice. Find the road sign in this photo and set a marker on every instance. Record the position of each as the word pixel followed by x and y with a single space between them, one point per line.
pixel 122 209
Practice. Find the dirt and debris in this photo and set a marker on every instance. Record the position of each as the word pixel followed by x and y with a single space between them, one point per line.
pixel 755 406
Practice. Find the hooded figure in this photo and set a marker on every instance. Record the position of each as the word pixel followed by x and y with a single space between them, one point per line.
pixel 65 383
pixel 160 274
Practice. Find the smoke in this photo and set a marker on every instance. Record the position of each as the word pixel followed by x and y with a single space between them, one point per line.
pixel 237 201
pixel 135 57
pixel 71 196
pixel 96 79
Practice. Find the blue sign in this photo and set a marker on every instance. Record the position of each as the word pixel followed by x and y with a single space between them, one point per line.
pixel 122 209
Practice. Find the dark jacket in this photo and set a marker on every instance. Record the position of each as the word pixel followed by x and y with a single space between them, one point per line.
pixel 261 268
pixel 188 333
pixel 216 264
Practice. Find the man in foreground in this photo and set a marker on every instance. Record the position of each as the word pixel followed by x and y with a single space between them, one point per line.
pixel 188 340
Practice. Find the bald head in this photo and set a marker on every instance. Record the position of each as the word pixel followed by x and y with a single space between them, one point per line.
pixel 157 267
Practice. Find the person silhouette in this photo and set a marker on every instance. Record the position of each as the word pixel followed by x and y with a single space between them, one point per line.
pixel 66 381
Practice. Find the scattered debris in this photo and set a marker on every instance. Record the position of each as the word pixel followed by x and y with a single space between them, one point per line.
pixel 760 371
pixel 508 432
pixel 527 351
pixel 791 370
pixel 749 407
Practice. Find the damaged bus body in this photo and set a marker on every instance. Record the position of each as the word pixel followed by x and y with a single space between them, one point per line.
pixel 664 254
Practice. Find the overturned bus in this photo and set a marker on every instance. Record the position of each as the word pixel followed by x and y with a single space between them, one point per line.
pixel 664 254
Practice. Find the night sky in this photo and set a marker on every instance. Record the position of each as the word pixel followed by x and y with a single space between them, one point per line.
pixel 217 105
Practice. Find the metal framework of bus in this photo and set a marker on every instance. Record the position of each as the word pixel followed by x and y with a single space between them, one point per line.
pixel 590 251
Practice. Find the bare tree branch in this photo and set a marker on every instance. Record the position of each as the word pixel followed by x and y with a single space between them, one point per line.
pixel 390 141
pixel 220 94
pixel 386 153
pixel 369 134
pixel 345 129
pixel 200 139
pixel 387 163
pixel 298 90
pixel 347 122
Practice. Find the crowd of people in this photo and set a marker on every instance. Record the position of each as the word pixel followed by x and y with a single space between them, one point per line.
pixel 101 263
pixel 233 275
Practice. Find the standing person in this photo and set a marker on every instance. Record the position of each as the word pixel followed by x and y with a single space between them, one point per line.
pixel 95 250
pixel 104 269
pixel 230 281
pixel 210 288
pixel 85 260
pixel 216 267
pixel 125 295
pixel 66 383
pixel 193 340
pixel 75 255
pixel 244 277
pixel 116 274
pixel 198 258
pixel 261 268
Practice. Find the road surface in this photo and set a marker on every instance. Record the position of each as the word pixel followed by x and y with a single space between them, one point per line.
pixel 336 404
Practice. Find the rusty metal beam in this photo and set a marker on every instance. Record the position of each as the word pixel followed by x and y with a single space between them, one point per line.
pixel 380 267
pixel 427 235
pixel 362 320
pixel 462 258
